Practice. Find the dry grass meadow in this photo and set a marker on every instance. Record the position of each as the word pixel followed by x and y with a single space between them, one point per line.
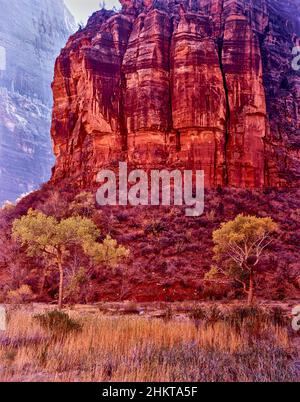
pixel 200 347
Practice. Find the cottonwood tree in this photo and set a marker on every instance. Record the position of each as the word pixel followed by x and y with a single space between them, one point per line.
pixel 109 253
pixel 44 235
pixel 239 247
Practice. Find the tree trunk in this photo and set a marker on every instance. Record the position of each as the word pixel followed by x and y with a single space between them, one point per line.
pixel 61 282
pixel 251 288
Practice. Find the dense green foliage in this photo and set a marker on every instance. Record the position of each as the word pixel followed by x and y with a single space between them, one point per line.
pixel 54 239
pixel 239 247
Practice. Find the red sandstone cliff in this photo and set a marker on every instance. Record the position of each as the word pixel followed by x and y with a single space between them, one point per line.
pixel 203 84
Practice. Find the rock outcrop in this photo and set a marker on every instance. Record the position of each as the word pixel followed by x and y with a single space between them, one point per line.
pixel 31 35
pixel 201 84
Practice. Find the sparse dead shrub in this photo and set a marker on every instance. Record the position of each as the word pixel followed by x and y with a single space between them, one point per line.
pixel 155 228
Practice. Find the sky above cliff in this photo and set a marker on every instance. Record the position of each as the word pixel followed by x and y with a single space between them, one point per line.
pixel 82 9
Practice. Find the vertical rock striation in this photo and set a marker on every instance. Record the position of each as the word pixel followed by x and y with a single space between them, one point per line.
pixel 32 33
pixel 201 84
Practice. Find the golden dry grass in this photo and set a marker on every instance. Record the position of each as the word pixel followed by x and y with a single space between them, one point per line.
pixel 143 349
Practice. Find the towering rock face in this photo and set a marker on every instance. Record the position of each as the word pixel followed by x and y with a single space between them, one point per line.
pixel 199 84
pixel 32 33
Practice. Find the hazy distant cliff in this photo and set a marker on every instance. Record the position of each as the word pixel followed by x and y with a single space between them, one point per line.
pixel 32 33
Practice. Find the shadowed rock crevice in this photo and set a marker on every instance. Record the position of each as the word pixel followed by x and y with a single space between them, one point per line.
pixel 227 121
